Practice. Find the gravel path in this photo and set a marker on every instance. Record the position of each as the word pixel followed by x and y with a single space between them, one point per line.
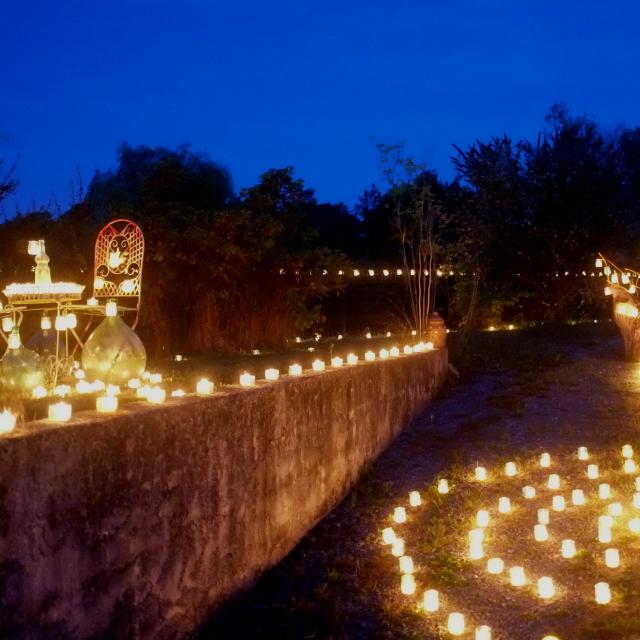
pixel 550 393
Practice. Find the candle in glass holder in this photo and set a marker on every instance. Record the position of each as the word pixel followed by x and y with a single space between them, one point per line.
pixel 510 469
pixel 517 577
pixel 106 404
pixel 397 547
pixel 60 411
pixel 614 509
pixel 388 535
pixel 592 472
pixel 406 564
pixel 627 451
pixel 352 358
pixel 476 535
pixel 543 516
pixel 604 491
pixel 156 395
pixel 407 584
pixel 369 356
pixel 455 624
pixel 629 466
pixel 568 548
pixel 7 421
pixel 476 550
pixel 612 558
pixel 540 532
pixel 247 380
pixel 546 588
pixel 529 492
pixel 603 593
pixel 504 504
pixel 400 515
pixel 481 474
pixel 482 518
pixel 384 354
pixel 637 481
pixel 431 600
pixel 318 365
pixel 394 352
pixel 554 482
pixel 495 565
pixel 407 350
pixel 545 460
pixel 636 500
pixel 634 525
pixel 443 486
pixel 204 387
pixel 583 453
pixel 295 370
pixel 483 632
pixel 271 374
pixel 337 362
pixel 415 499
pixel 604 528
pixel 558 503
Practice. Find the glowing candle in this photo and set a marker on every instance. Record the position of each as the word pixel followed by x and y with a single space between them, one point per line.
pixel 546 588
pixel 568 548
pixel 394 352
pixel 504 505
pixel 39 392
pixel 407 584
pixel 295 370
pixel 72 320
pixel 352 358
pixel 592 471
pixel 551 638
pixel 634 525
pixel 7 421
pixel 604 491
pixel 60 411
pixel 397 547
pixel 495 565
pixel 481 474
pixel 554 482
pixel 337 362
pixel 61 323
pixel 134 383
pixel 636 500
pixel 517 577
pixel 7 324
pixel 384 354
pixel 178 393
pixel 604 528
pixel 529 492
pixel 614 509
pixel 577 497
pixel 443 486
pixel 247 380
pixel 106 404
pixel 388 535
pixel 612 558
pixel 407 350
pixel 156 395
pixel 369 356
pixel 637 481
pixel 583 453
pixel 483 632
pixel 540 532
pixel 510 469
pixel 400 515
pixel 431 600
pixel 476 535
pixel 45 323
pixel 415 499
pixel 627 451
pixel 545 460
pixel 318 365
pixel 455 624
pixel 543 516
pixel 62 390
pixel 603 593
pixel 482 518
pixel 92 302
pixel 629 466
pixel 476 550
pixel 111 309
pixel 406 564
pixel 204 387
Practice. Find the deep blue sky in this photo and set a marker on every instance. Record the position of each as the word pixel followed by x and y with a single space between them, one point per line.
pixel 265 84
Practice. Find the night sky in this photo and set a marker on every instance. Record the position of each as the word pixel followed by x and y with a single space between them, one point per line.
pixel 266 84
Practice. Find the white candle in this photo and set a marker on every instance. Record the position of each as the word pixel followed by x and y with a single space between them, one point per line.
pixel 318 365
pixel 483 632
pixel 545 460
pixel 247 380
pixel 455 624
pixel 604 491
pixel 529 492
pixel 543 516
pixel 554 482
pixel 295 370
pixel 352 358
pixel 495 565
pixel 627 451
pixel 517 577
pixel 369 356
pixel 204 387
pixel 407 584
pixel 612 558
pixel 397 547
pixel 431 600
pixel 592 471
pixel 106 404
pixel 510 469
pixel 577 497
pixel 540 532
pixel 568 548
pixel 60 411
pixel 583 453
pixel 406 564
pixel 603 593
pixel 443 486
pixel 7 421
pixel 504 504
pixel 481 474
pixel 482 518
pixel 415 499
pixel 629 466
pixel 558 503
pixel 388 535
pixel 546 588
pixel 400 515
pixel 337 362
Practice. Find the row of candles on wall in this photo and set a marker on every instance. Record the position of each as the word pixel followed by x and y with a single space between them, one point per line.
pixel 148 387
pixel 546 588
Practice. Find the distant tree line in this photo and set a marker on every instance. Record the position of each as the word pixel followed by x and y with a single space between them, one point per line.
pixel 230 270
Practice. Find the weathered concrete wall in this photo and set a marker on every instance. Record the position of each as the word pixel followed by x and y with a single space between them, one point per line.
pixel 137 525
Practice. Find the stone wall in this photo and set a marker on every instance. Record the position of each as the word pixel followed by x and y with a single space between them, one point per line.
pixel 138 525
